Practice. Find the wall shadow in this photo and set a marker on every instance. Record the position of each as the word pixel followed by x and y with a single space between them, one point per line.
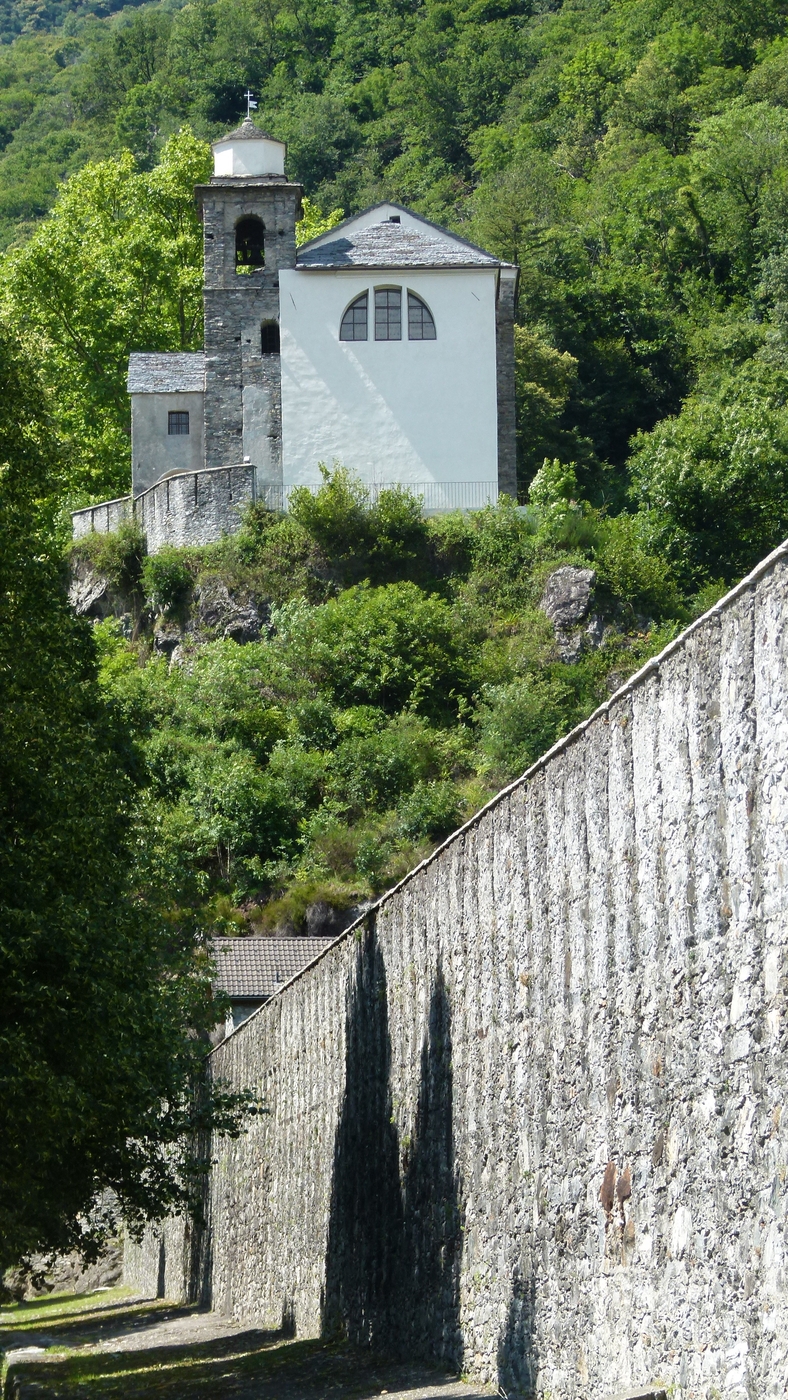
pixel 365 1220
pixel 395 1224
pixel 517 1349
pixel 432 1215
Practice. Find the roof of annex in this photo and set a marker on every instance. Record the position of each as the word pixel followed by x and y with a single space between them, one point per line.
pixel 255 967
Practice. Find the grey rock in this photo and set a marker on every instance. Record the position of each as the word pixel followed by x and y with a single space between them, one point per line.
pixel 571 645
pixel 167 637
pixel 567 595
pixel 223 615
pixel 595 631
pixel 324 921
pixel 89 593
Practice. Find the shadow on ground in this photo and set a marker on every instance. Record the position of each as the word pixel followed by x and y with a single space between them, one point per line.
pixel 147 1348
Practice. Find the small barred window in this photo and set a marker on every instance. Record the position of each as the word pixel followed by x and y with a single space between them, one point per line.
pixel 420 323
pixel 178 424
pixel 388 314
pixel 354 321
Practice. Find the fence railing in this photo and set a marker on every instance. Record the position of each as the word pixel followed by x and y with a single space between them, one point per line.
pixel 435 496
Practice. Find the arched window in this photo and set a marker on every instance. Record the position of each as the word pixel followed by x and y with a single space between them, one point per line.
pixel 354 321
pixel 249 236
pixel 388 313
pixel 269 338
pixel 420 323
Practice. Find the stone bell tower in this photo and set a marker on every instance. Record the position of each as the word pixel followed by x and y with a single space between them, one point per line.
pixel 249 213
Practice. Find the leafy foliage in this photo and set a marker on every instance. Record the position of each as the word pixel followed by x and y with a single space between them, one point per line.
pixel 104 999
pixel 321 762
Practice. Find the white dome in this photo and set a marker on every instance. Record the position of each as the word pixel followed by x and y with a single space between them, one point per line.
pixel 248 151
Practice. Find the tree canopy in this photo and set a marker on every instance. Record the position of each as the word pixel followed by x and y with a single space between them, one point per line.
pixel 105 1001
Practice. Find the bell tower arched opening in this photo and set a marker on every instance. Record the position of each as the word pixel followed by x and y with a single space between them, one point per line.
pixel 249 243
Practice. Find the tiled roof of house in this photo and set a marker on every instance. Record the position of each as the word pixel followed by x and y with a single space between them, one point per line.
pixel 391 245
pixel 257 967
pixel 173 373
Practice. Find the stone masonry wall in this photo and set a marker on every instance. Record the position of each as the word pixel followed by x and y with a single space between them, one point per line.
pixel 505 309
pixel 528 1115
pixel 195 507
pixel 103 518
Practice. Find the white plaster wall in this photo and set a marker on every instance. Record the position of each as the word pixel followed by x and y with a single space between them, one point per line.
pixel 404 411
pixel 154 453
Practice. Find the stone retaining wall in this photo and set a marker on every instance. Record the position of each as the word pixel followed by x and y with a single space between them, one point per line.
pixel 195 507
pixel 526 1117
pixel 102 519
pixel 187 508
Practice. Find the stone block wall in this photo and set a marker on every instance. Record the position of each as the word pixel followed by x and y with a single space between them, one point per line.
pixel 528 1116
pixel 102 519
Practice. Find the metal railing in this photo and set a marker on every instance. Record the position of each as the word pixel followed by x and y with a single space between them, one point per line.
pixel 435 496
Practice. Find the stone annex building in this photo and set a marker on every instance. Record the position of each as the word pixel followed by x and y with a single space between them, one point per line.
pixel 385 344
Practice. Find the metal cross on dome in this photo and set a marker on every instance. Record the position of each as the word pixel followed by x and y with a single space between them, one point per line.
pixel 251 105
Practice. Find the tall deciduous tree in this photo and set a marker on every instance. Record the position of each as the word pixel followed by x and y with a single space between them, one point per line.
pixel 116 267
pixel 102 1001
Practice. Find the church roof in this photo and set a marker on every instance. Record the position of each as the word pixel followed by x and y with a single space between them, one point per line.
pixel 247 131
pixel 258 967
pixel 394 245
pixel 172 373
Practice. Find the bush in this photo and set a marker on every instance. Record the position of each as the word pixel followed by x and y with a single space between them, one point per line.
pixel 431 811
pixel 520 721
pixel 714 481
pixel 167 580
pixel 395 647
pixel 119 556
pixel 630 570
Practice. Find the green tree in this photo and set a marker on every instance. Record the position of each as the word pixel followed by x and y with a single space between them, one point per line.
pixel 116 267
pixel 714 480
pixel 104 1002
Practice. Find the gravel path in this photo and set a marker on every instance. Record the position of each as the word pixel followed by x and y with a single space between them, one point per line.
pixel 126 1348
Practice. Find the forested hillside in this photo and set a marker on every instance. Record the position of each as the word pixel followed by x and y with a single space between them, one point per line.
pixel 632 157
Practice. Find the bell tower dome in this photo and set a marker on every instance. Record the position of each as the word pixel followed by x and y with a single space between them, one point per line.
pixel 249 212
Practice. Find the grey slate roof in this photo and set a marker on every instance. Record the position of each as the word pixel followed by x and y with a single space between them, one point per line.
pixel 166 374
pixel 247 131
pixel 257 967
pixel 388 245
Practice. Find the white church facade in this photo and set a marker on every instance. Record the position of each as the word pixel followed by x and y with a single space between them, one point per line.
pixel 386 345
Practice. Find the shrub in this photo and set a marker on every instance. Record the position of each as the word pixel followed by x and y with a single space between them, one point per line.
pixel 118 556
pixel 167 580
pixel 395 647
pixel 431 810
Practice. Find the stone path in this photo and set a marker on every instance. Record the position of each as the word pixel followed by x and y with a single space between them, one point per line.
pixel 122 1348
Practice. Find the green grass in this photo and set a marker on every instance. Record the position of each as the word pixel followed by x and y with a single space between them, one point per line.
pixel 59 1305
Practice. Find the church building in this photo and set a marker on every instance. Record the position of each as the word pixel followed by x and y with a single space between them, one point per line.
pixel 386 345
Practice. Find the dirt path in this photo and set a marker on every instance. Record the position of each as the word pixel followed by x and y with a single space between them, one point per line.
pixel 112 1346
